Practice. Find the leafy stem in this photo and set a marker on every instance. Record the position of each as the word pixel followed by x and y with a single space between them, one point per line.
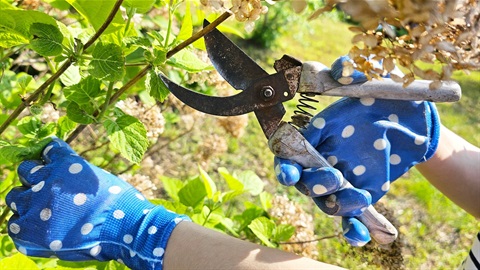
pixel 107 100
pixel 37 93
pixel 146 69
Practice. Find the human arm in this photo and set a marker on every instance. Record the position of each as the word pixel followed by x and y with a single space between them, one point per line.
pixel 192 246
pixel 454 170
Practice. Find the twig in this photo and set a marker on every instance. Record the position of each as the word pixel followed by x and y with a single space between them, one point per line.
pixel 104 26
pixel 309 241
pixel 93 148
pixel 34 96
pixel 199 34
pixel 146 69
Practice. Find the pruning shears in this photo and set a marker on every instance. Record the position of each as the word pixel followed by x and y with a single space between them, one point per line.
pixel 264 93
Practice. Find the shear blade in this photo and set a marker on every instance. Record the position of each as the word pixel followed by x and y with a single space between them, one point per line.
pixel 236 67
pixel 241 103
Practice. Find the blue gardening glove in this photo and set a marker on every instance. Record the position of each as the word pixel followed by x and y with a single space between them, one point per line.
pixel 75 211
pixel 371 142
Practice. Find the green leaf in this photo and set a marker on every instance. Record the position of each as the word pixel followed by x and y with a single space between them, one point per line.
pixel 230 195
pixel 8 180
pixel 232 182
pixel 266 200
pixel 32 127
pixel 172 186
pixel 252 183
pixel 71 76
pixel 193 193
pixel 108 62
pixel 64 126
pixel 251 213
pixel 18 261
pixel 129 136
pixel 263 228
pixel 83 92
pixel 15 25
pixel 29 126
pixel 16 153
pixel 157 89
pixel 141 6
pixel 80 114
pixel 96 12
pixel 283 232
pixel 210 186
pixel 188 61
pixel 47 39
pixel 186 29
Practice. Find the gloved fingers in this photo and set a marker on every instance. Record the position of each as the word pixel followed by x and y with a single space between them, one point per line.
pixel 287 171
pixel 355 232
pixel 346 202
pixel 18 199
pixel 32 172
pixel 322 181
pixel 344 72
pixel 57 150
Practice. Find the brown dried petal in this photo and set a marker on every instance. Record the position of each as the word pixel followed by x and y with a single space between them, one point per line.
pixel 389 64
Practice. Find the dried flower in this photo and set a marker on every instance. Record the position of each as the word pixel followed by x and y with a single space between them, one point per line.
pixel 151 117
pixel 436 31
pixel 142 183
pixel 234 125
pixel 211 146
pixel 247 11
pixel 285 211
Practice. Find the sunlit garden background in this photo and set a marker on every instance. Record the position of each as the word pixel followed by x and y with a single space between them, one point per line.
pixel 217 170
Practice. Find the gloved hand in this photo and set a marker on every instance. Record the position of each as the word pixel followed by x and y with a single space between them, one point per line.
pixel 372 142
pixel 75 211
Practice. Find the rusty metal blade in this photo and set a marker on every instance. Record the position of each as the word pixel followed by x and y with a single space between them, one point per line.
pixel 241 103
pixel 236 67
pixel 270 118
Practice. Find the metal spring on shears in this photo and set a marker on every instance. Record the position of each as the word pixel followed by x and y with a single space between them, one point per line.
pixel 302 115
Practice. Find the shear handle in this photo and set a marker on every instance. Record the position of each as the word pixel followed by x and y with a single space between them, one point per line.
pixel 316 78
pixel 288 143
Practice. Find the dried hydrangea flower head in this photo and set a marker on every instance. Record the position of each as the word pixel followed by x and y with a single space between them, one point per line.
pixel 285 211
pixel 445 32
pixel 247 11
pixel 151 116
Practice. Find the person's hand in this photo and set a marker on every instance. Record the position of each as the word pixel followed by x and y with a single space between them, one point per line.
pixel 75 211
pixel 372 142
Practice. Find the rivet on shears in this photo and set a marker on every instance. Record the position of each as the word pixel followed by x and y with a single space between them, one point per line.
pixel 268 92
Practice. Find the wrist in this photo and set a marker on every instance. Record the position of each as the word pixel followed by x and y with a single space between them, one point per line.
pixel 433 123
pixel 136 232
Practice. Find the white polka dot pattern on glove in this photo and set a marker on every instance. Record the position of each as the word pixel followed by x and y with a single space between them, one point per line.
pixel 371 142
pixel 75 211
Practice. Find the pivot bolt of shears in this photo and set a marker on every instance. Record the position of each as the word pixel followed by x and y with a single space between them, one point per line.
pixel 268 91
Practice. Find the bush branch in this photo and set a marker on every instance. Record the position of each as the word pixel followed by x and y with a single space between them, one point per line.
pixel 146 69
pixel 34 96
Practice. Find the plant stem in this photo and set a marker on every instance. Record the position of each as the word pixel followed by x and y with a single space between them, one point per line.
pixel 26 102
pixel 104 26
pixel 146 69
pixel 169 26
pixel 199 34
pixel 34 96
pixel 107 100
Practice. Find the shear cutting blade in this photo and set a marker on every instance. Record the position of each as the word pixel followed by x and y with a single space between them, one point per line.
pixel 237 68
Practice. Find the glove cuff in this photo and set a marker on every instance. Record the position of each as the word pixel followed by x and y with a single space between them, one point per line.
pixel 433 123
pixel 137 233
